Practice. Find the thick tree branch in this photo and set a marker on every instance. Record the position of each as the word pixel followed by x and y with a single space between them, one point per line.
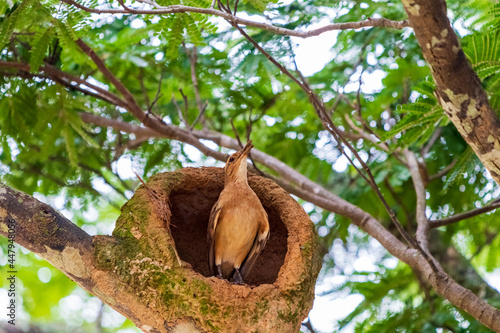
pixel 465 104
pixel 162 10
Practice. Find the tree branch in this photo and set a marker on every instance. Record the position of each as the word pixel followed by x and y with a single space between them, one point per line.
pixel 162 10
pixel 68 80
pixel 68 247
pixel 466 215
pixel 422 221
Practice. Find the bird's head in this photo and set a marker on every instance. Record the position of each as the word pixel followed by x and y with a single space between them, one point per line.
pixel 236 164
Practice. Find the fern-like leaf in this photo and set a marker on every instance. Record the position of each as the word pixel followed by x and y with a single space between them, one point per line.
pixel 426 88
pixel 463 165
pixel 8 25
pixel 39 50
pixel 174 36
pixel 70 145
pixel 193 31
pixel 65 34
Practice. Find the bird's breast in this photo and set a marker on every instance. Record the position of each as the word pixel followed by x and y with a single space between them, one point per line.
pixel 241 216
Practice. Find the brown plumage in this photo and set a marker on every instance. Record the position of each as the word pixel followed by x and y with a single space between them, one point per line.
pixel 238 227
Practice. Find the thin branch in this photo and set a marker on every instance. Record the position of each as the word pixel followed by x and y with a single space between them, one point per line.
pixel 155 123
pixel 462 216
pixel 236 135
pixel 193 57
pixel 132 105
pixel 143 87
pixel 158 93
pixel 382 145
pixel 443 171
pixel 162 10
pixel 397 198
pixel 431 142
pixel 68 80
pixel 179 111
pixel 423 225
pixel 200 116
pixel 186 107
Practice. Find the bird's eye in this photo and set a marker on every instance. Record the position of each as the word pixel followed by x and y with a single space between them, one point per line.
pixel 231 159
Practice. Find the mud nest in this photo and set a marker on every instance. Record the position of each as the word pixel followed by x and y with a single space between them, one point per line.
pixel 159 252
pixel 191 205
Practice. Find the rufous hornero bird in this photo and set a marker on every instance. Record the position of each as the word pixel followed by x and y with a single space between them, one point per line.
pixel 238 228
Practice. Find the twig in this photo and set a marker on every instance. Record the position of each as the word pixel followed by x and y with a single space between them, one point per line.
pixel 129 10
pixel 462 216
pixel 241 146
pixel 235 7
pixel 179 111
pixel 443 171
pixel 193 57
pixel 397 198
pixel 186 106
pixel 236 135
pixel 431 142
pixel 66 79
pixel 129 98
pixel 200 115
pixel 158 91
pixel 143 87
pixel 382 145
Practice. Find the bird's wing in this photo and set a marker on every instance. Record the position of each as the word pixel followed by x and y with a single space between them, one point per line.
pixel 212 225
pixel 258 244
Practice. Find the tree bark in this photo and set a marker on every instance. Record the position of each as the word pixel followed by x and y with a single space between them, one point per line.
pixel 459 88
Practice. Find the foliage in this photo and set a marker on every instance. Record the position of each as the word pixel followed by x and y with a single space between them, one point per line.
pixel 48 150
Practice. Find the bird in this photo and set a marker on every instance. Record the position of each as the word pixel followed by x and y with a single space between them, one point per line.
pixel 238 227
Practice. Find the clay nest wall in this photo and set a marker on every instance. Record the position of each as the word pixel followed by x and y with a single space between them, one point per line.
pixel 159 252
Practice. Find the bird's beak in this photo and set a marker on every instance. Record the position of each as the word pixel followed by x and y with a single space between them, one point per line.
pixel 246 150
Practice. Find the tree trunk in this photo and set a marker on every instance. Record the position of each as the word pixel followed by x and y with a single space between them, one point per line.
pixel 458 87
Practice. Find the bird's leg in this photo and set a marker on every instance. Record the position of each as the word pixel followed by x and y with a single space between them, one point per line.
pixel 238 279
pixel 219 272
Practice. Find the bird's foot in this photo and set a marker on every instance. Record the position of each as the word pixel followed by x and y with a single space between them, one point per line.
pixel 237 278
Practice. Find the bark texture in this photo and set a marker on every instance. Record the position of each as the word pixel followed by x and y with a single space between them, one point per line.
pixel 459 89
pixel 160 279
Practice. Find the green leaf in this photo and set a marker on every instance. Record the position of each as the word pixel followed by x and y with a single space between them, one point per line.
pixel 70 145
pixel 39 50
pixel 426 88
pixel 9 23
pixel 65 34
pixel 157 157
pixel 174 36
pixel 463 163
pixel 418 108
pixel 487 69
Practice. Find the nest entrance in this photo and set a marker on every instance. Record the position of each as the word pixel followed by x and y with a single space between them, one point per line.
pixel 191 203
